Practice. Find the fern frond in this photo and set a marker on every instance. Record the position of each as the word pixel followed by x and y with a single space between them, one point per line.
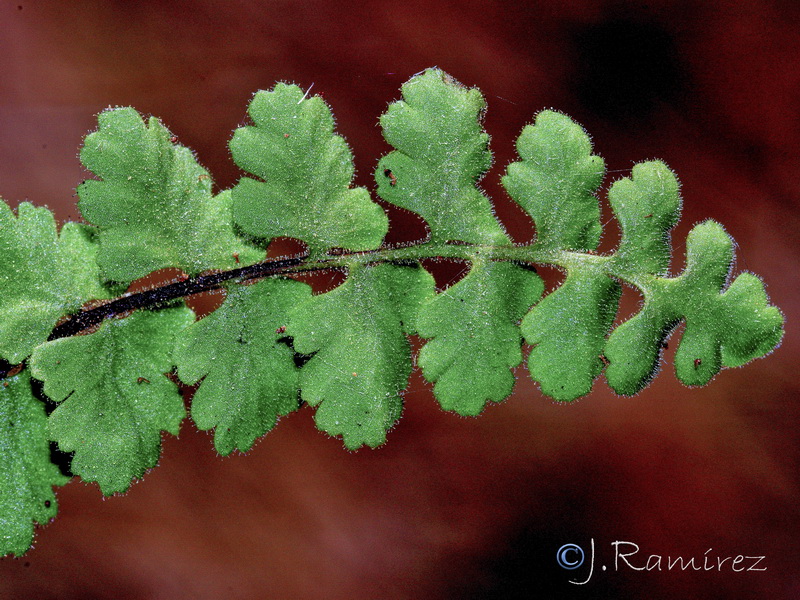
pixel 344 351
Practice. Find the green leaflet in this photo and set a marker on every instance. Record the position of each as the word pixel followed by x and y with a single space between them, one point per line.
pixel 305 171
pixel 362 358
pixel 27 476
pixel 43 276
pixel 722 329
pixel 441 153
pixel 115 399
pixel 568 329
pixel 153 203
pixel 475 336
pixel 647 205
pixel 250 378
pixel 555 182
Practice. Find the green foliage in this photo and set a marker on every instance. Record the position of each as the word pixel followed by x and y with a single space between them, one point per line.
pixel 475 339
pixel 647 206
pixel 555 182
pixel 362 358
pixel 568 331
pixel 345 351
pixel 153 205
pixel 718 334
pixel 249 378
pixel 27 476
pixel 43 276
pixel 441 152
pixel 305 172
pixel 114 398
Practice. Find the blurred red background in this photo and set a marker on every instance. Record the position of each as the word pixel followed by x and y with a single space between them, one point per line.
pixel 450 507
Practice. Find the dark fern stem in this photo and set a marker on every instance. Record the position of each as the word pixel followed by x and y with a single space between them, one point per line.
pixel 164 294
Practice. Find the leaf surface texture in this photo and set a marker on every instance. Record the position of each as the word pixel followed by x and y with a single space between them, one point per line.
pixel 476 340
pixel 153 202
pixel 304 172
pixel 27 476
pixel 361 356
pixel 114 398
pixel 249 377
pixel 43 275
pixel 441 152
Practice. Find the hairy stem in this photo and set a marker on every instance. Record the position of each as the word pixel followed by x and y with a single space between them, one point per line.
pixel 168 292
pixel 304 263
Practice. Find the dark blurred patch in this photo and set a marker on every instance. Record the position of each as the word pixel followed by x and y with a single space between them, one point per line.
pixel 5 368
pixel 572 512
pixel 625 67
pixel 530 570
